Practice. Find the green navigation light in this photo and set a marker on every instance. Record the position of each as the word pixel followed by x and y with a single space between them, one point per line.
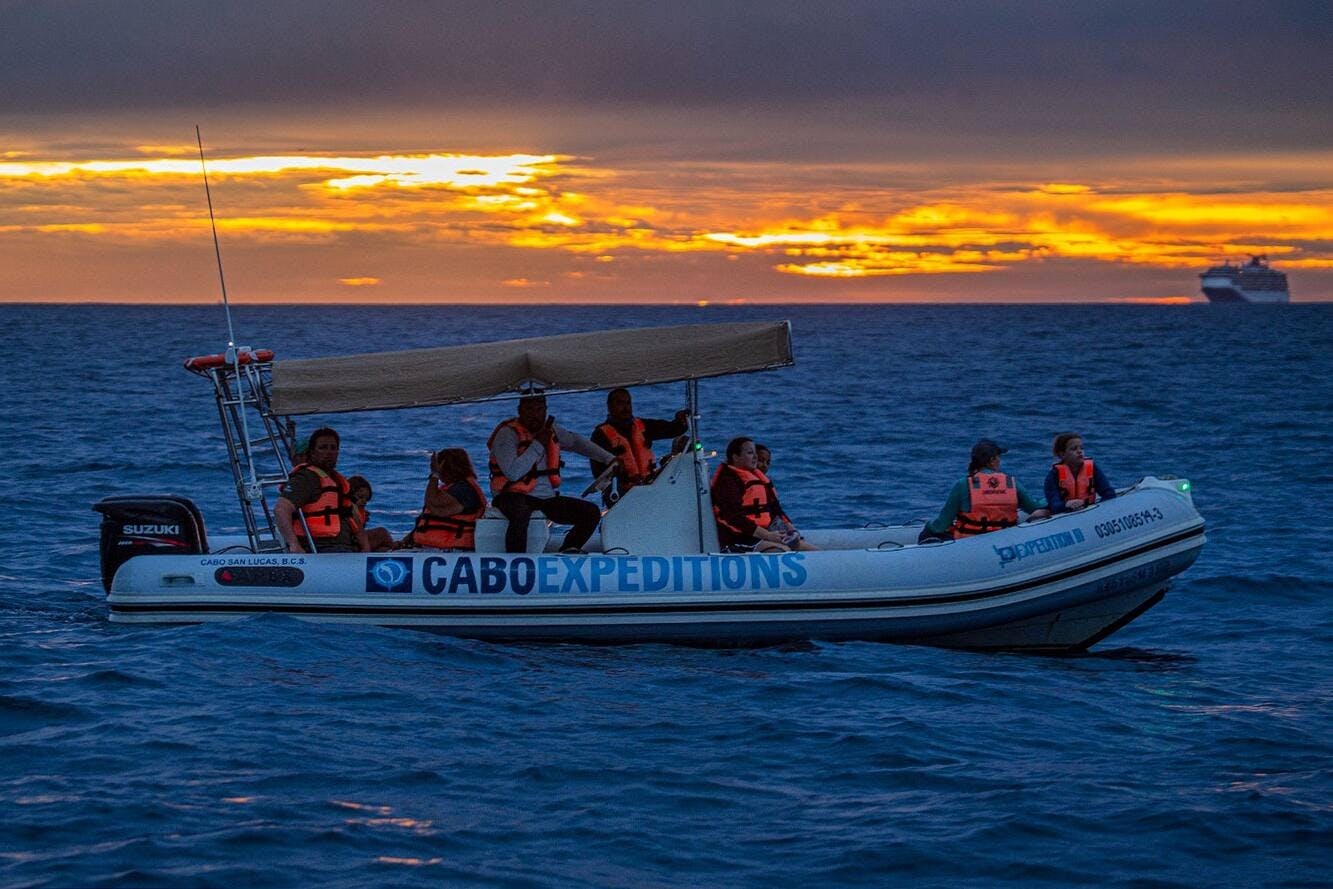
pixel 1184 486
pixel 698 446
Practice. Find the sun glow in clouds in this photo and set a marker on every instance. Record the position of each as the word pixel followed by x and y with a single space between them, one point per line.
pixel 610 224
pixel 992 229
pixel 404 171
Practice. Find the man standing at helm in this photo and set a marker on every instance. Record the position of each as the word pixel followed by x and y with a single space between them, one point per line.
pixel 629 438
pixel 525 475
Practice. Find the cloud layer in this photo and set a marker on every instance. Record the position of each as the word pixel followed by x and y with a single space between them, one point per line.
pixel 1251 75
pixel 613 151
pixel 595 225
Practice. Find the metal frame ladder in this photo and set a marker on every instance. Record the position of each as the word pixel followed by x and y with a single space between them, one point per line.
pixel 242 382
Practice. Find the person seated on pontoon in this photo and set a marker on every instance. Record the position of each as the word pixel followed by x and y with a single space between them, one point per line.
pixel 746 507
pixel 986 499
pixel 525 475
pixel 454 502
pixel 629 438
pixel 763 457
pixel 1074 482
pixel 315 495
pixel 374 540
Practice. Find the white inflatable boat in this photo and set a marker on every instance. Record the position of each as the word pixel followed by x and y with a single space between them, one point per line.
pixel 654 573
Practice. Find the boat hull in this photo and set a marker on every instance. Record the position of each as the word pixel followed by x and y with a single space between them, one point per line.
pixel 1230 294
pixel 1060 584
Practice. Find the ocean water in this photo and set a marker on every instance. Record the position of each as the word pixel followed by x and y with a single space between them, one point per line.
pixel 1190 749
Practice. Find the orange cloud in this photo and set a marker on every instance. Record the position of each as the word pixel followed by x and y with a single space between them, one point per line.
pixel 807 222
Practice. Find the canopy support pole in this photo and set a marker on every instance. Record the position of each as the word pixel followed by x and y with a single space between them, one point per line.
pixel 701 494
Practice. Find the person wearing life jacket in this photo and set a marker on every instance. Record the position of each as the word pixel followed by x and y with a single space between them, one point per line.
pixel 763 456
pixel 454 502
pixel 1074 481
pixel 316 492
pixel 525 475
pixel 630 438
pixel 746 507
pixel 986 499
pixel 375 540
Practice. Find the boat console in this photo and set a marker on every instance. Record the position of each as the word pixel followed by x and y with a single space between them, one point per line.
pixel 671 514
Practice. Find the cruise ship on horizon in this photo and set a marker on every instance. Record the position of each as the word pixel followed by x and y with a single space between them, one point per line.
pixel 1253 282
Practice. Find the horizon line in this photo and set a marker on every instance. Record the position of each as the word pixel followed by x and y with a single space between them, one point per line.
pixel 1158 302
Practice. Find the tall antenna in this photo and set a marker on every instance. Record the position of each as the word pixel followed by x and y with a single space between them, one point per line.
pixel 217 250
pixel 252 489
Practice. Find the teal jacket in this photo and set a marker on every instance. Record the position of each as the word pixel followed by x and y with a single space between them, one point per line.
pixel 960 500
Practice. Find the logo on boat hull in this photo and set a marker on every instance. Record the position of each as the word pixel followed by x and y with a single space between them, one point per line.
pixel 388 574
pixel 1020 551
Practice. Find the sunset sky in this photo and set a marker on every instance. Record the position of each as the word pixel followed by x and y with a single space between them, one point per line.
pixel 674 152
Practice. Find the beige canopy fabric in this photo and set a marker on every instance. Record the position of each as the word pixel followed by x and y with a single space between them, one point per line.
pixel 571 362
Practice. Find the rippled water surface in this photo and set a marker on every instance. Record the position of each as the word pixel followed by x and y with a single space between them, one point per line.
pixel 1192 748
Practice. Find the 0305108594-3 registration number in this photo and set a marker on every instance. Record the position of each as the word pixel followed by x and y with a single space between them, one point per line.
pixel 1128 521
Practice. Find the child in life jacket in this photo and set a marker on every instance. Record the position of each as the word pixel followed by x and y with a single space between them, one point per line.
pixel 374 540
pixel 1074 481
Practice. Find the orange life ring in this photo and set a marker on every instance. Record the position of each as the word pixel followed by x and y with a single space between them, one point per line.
pixel 204 362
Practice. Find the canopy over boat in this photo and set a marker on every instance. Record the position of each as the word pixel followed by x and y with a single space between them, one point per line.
pixel 571 362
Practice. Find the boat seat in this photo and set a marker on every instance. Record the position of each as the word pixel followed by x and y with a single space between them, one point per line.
pixel 491 528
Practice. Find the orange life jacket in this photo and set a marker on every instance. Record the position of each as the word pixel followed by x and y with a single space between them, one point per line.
pixel 994 505
pixel 457 531
pixel 325 514
pixel 525 484
pixel 758 498
pixel 357 519
pixel 1076 487
pixel 636 458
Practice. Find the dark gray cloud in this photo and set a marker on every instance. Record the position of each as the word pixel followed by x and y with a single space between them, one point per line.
pixel 1232 74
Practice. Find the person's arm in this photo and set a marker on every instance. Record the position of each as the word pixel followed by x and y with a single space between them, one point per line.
pixel 438 501
pixel 284 512
pixel 778 511
pixel 301 487
pixel 952 506
pixel 432 483
pixel 1029 504
pixel 658 430
pixel 1055 498
pixel 578 444
pixel 1105 490
pixel 505 451
pixel 441 503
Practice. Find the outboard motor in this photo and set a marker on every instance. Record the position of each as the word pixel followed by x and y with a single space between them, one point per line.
pixel 148 525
